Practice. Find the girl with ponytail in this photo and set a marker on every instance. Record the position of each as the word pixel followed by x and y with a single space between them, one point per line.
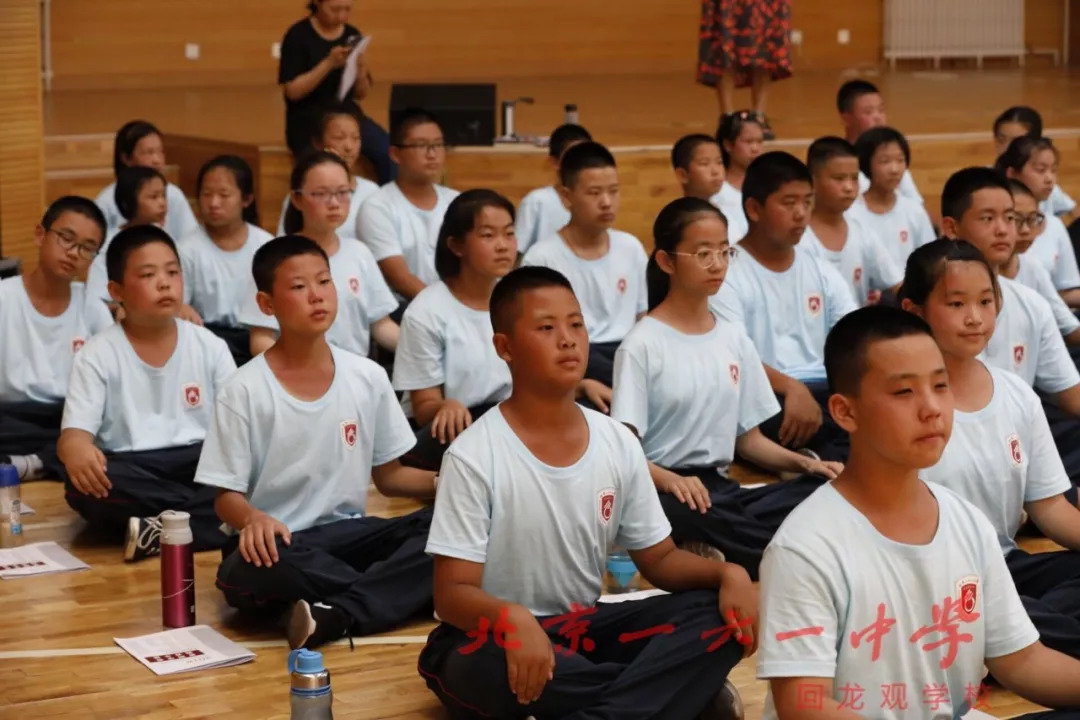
pixel 694 389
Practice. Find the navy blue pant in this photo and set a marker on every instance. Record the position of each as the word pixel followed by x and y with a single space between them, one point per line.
pixel 375 146
pixel 147 483
pixel 30 428
pixel 741 521
pixel 238 340
pixel 672 676
pixel 427 453
pixel 1049 587
pixel 1066 432
pixel 601 365
pixel 830 442
pixel 375 569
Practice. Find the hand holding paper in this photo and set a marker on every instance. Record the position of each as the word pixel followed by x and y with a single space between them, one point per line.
pixel 348 75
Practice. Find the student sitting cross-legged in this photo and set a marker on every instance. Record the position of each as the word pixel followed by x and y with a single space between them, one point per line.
pixel 216 258
pixel 445 362
pixel 884 595
pixel 45 320
pixel 541 213
pixel 693 388
pixel 1001 456
pixel 531 498
pixel 786 300
pixel 606 267
pixel 297 436
pixel 138 403
pixel 320 203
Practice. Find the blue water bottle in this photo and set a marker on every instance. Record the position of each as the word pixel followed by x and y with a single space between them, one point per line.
pixel 621 572
pixel 10 506
pixel 309 695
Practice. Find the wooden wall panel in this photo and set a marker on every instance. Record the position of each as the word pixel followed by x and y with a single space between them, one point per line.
pixel 22 171
pixel 820 20
pixel 1043 23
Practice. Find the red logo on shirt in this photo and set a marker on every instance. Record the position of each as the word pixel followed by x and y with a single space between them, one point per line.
pixel 622 285
pixel 76 345
pixel 903 236
pixel 349 428
pixel 1018 355
pixel 813 304
pixel 607 504
pixel 354 285
pixel 734 370
pixel 192 395
pixel 967 594
pixel 1015 450
pixel 858 274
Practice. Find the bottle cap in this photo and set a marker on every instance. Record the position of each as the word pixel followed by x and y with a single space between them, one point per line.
pixel 9 476
pixel 174 520
pixel 570 107
pixel 307 662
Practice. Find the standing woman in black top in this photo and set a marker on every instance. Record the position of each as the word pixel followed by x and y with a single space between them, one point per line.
pixel 313 56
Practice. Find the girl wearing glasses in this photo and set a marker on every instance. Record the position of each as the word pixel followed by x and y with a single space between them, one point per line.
pixel 692 386
pixel 1034 162
pixel 321 189
pixel 339 132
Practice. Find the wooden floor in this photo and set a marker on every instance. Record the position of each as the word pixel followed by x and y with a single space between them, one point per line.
pixel 58 659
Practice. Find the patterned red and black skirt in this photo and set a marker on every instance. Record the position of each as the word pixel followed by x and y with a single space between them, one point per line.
pixel 740 35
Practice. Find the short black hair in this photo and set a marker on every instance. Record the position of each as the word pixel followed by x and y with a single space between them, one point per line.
pixel 330 112
pixel 851 91
pixel 849 342
pixel 127 137
pixel 76 204
pixel 1018 187
pixel 825 149
pixel 268 258
pixel 769 172
pixel 963 184
pixel 505 298
pixel 129 181
pixel 564 136
pixel 458 221
pixel 872 139
pixel 1029 117
pixel 127 241
pixel 926 266
pixel 583 156
pixel 682 154
pixel 407 120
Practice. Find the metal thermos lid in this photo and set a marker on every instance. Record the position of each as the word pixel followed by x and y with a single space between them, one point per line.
pixel 174 520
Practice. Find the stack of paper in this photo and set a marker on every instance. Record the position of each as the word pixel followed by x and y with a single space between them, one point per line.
pixel 185 649
pixel 37 559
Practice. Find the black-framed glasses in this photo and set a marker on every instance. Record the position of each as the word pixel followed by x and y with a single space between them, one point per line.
pixel 1034 221
pixel 427 147
pixel 343 196
pixel 707 257
pixel 68 241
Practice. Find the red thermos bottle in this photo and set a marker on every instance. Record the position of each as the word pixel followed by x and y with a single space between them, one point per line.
pixel 177 570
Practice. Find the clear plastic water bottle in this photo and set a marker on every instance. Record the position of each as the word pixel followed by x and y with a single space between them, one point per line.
pixel 177 570
pixel 570 115
pixel 622 574
pixel 310 697
pixel 10 506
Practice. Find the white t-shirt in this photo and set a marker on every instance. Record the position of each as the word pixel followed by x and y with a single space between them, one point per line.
pixel 128 405
pixel 729 200
pixel 36 351
pixel 690 396
pixel 543 533
pixel 1059 202
pixel 611 289
pixel 391 225
pixel 305 463
pixel 1026 341
pixel 1002 456
pixel 364 298
pixel 903 228
pixel 1053 248
pixel 350 228
pixel 787 314
pixel 863 261
pixel 445 343
pixel 825 587
pixel 1033 274
pixel 97 275
pixel 216 281
pixel 179 219
pixel 541 214
pixel 907 187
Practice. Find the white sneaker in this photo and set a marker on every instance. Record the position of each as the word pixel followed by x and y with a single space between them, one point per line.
pixel 29 467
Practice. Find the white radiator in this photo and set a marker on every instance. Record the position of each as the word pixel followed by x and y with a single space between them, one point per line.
pixel 938 29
